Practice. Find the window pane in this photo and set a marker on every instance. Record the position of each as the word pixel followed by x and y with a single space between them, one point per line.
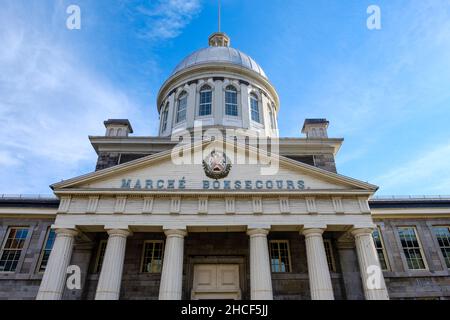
pixel 254 108
pixel 165 115
pixel 182 105
pixel 152 257
pixel 280 256
pixel 12 249
pixel 47 249
pixel 205 108
pixel 100 255
pixel 443 237
pixel 231 108
pixel 411 248
pixel 329 254
pixel 380 249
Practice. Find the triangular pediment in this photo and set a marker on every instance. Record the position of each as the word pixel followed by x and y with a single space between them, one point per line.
pixel 251 170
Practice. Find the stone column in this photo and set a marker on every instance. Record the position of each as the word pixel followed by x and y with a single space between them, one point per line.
pixel 371 274
pixel 172 272
pixel 54 280
pixel 108 287
pixel 260 273
pixel 318 271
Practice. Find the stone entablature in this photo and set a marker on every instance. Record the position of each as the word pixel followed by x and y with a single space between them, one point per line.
pixel 216 204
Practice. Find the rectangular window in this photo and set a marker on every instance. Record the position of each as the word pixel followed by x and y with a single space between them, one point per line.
pixel 205 103
pixel 181 111
pixel 443 238
pixel 280 257
pixel 411 248
pixel 231 107
pixel 12 248
pixel 100 256
pixel 46 250
pixel 164 119
pixel 152 257
pixel 379 246
pixel 329 253
pixel 254 107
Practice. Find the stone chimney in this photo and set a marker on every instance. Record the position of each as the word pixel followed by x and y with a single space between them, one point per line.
pixel 118 128
pixel 316 128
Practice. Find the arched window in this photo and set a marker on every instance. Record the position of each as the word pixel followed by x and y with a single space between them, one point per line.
pixel 181 109
pixel 164 116
pixel 254 107
pixel 205 107
pixel 231 107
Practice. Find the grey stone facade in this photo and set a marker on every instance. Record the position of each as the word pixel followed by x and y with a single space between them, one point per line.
pixel 233 248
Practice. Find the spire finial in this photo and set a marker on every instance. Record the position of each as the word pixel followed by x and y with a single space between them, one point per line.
pixel 219 39
pixel 219 17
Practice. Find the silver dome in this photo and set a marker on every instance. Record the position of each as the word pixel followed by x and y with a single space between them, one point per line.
pixel 225 55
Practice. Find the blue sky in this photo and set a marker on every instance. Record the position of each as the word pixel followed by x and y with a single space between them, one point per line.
pixel 387 92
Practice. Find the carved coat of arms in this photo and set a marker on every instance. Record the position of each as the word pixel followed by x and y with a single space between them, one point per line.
pixel 217 165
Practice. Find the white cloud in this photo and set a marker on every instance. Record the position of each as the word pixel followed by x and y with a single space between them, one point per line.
pixel 49 103
pixel 429 172
pixel 166 19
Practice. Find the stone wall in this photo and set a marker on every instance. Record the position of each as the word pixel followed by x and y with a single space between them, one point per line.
pixel 405 283
pixel 233 248
pixel 325 162
pixel 23 284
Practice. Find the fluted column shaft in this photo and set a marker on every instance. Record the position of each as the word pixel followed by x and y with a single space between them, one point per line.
pixel 108 287
pixel 318 271
pixel 369 265
pixel 172 272
pixel 52 285
pixel 260 273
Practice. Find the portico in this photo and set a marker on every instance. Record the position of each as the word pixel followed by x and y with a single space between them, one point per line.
pixel 327 206
pixel 257 264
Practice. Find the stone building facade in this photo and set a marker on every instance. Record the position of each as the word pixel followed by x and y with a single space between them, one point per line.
pixel 199 213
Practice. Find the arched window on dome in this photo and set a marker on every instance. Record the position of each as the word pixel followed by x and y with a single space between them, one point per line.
pixel 181 108
pixel 254 108
pixel 164 117
pixel 231 106
pixel 205 107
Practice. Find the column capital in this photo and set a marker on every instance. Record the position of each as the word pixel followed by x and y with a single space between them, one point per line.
pixel 119 232
pixel 257 232
pixel 175 233
pixel 307 232
pixel 361 231
pixel 66 232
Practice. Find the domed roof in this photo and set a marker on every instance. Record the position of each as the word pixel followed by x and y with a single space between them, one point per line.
pixel 220 54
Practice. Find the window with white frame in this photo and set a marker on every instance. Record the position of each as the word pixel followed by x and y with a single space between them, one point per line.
pixel 100 256
pixel 379 246
pixel 164 117
pixel 443 237
pixel 412 248
pixel 181 107
pixel 12 248
pixel 205 108
pixel 47 249
pixel 329 254
pixel 254 108
pixel 231 106
pixel 280 256
pixel 152 256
